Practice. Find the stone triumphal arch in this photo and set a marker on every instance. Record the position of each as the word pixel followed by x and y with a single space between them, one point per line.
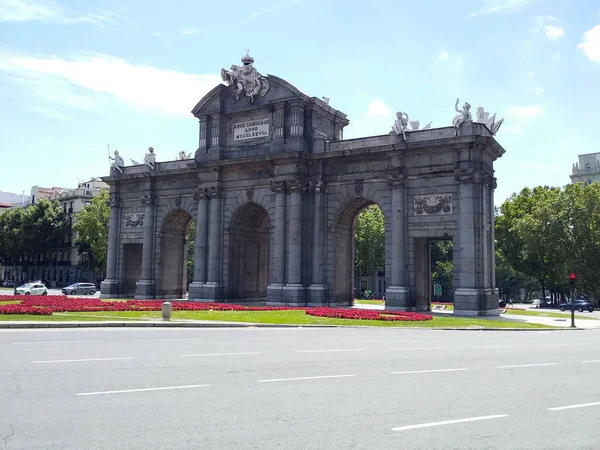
pixel 274 189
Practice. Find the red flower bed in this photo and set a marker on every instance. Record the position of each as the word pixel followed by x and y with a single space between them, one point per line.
pixel 48 304
pixel 367 314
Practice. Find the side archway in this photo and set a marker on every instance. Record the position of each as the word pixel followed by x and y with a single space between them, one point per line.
pixel 249 251
pixel 173 250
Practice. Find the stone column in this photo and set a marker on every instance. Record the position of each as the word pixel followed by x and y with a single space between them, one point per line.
pixel 145 287
pixel 109 288
pixel 397 294
pixel 200 245
pixel 317 290
pixel 472 297
pixel 296 120
pixel 274 290
pixel 202 134
pixel 213 287
pixel 278 123
pixel 293 291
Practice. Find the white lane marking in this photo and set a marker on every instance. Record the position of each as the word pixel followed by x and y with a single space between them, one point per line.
pixel 527 365
pixel 306 378
pixel 591 361
pixel 220 354
pixel 581 405
pixel 82 360
pixel 167 340
pixel 556 345
pixel 588 339
pixel 448 422
pixel 334 350
pixel 420 348
pixel 497 346
pixel 51 342
pixel 429 371
pixel 144 390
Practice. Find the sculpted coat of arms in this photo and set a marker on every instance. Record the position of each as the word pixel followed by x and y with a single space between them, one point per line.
pixel 245 79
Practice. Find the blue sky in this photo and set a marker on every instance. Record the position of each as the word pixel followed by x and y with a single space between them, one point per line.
pixel 76 76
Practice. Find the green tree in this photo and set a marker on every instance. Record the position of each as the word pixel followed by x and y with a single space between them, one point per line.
pixel 581 235
pixel 442 266
pixel 11 236
pixel 44 227
pixel 531 233
pixel 369 234
pixel 91 224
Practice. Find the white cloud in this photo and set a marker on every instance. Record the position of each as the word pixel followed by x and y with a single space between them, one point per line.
pixel 51 113
pixel 554 32
pixel 268 10
pixel 95 81
pixel 443 55
pixel 378 109
pixel 189 31
pixel 50 12
pixel 500 6
pixel 591 43
pixel 526 112
pixel 539 90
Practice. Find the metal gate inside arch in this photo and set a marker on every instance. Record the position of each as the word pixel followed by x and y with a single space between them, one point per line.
pixel 273 190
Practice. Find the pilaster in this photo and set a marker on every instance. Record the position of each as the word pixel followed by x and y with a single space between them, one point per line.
pixel 317 291
pixel 145 287
pixel 397 294
pixel 109 288
pixel 200 245
pixel 274 290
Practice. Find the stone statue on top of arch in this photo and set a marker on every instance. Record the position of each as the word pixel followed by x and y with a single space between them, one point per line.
pixel 245 79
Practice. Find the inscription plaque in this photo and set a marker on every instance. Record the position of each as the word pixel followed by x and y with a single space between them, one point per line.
pixel 251 129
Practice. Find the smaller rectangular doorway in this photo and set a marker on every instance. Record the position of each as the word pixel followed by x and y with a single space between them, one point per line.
pixel 434 272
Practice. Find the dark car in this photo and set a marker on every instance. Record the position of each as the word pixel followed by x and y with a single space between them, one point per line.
pixel 80 288
pixel 580 305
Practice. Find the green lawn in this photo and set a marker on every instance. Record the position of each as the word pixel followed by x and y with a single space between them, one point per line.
pixel 10 302
pixel 368 302
pixel 279 317
pixel 529 312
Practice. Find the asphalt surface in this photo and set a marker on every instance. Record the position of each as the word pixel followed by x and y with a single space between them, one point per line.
pixel 342 388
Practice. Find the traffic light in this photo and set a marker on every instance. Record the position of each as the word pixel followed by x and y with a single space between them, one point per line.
pixel 572 280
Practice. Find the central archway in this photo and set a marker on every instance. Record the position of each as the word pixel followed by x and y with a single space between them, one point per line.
pixel 249 245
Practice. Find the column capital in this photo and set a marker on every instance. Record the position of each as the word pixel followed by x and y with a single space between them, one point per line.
pixel 214 191
pixel 278 187
pixel 147 200
pixel 396 179
pixel 112 202
pixel 200 193
pixel 296 185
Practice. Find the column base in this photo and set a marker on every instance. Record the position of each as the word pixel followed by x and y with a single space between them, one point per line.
pixel 317 295
pixel 195 290
pixel 274 294
pixel 398 298
pixel 294 295
pixel 144 290
pixel 109 289
pixel 212 290
pixel 476 302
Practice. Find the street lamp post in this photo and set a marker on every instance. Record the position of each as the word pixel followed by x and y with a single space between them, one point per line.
pixel 572 286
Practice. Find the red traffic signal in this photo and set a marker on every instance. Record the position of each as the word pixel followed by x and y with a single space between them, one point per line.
pixel 572 276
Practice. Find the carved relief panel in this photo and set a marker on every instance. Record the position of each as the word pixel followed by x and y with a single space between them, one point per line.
pixel 427 205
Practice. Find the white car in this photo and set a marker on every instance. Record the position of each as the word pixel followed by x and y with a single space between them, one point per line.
pixel 32 289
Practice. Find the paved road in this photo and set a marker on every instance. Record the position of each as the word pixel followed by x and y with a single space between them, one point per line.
pixel 299 388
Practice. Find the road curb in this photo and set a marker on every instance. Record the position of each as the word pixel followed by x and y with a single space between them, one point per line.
pixel 32 325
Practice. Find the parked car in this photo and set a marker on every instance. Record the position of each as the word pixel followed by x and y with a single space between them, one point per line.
pixel 32 289
pixel 580 305
pixel 80 288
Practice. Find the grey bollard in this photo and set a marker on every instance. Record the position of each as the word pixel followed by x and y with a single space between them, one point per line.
pixel 167 308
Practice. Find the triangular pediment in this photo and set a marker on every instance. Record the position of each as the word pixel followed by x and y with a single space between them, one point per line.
pixel 221 99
